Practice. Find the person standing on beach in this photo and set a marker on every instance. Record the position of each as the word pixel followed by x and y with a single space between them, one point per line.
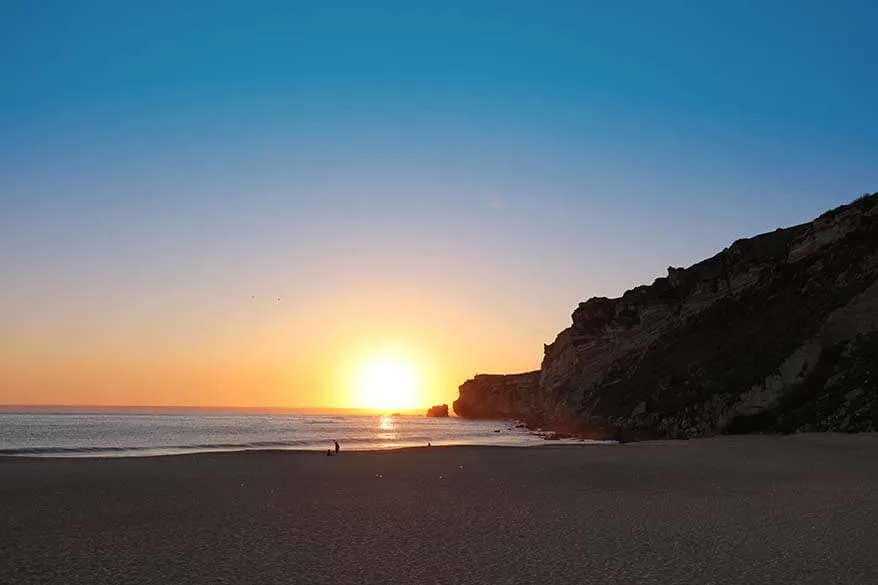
pixel 336 447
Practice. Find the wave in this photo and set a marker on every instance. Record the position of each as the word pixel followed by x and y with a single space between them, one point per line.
pixel 372 442
pixel 97 450
pixel 124 436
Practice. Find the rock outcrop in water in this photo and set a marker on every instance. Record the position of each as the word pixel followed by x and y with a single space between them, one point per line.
pixel 438 411
pixel 778 332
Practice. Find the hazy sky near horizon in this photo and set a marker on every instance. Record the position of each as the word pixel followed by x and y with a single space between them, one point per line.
pixel 231 203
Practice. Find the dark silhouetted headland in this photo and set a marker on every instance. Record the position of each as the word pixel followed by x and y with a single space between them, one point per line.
pixel 778 333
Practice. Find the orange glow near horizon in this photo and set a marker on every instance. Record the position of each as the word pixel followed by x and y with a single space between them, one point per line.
pixel 396 351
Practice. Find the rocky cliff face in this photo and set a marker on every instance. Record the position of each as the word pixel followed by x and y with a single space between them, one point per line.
pixel 497 396
pixel 776 332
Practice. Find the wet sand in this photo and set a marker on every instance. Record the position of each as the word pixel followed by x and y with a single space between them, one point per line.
pixel 800 509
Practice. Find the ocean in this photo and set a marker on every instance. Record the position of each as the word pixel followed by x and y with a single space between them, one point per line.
pixel 125 435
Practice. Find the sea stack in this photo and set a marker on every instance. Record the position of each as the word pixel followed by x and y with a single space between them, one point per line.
pixel 438 411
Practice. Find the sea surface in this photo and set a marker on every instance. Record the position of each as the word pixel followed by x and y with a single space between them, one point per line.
pixel 125 435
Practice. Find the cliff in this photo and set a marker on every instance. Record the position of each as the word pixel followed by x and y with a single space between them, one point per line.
pixel 497 396
pixel 778 332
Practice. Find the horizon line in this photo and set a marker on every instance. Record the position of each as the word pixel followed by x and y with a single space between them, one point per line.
pixel 47 408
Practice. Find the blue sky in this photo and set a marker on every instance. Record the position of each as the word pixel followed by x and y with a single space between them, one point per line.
pixel 508 159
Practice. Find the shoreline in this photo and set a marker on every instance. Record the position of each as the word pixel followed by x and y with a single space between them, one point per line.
pixel 120 436
pixel 112 454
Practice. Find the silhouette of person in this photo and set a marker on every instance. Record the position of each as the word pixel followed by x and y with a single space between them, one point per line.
pixel 328 452
pixel 336 447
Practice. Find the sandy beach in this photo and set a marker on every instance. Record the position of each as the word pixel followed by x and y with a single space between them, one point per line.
pixel 798 509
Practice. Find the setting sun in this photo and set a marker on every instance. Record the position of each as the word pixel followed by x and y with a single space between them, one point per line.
pixel 388 382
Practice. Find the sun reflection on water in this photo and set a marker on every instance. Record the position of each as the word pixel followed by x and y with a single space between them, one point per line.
pixel 387 427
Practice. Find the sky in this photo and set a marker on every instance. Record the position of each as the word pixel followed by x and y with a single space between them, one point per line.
pixel 242 203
